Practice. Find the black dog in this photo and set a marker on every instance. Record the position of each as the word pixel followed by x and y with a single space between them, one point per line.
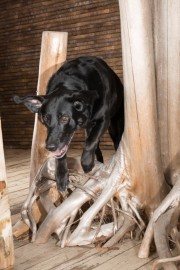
pixel 83 93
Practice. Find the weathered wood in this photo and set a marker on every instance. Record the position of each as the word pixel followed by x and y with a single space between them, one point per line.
pixel 6 239
pixel 166 40
pixel 53 54
pixel 173 81
pixel 32 256
pixel 141 131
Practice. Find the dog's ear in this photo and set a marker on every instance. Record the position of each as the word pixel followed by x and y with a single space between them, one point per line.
pixel 33 103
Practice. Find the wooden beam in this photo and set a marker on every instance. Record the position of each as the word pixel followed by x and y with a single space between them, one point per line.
pixel 53 54
pixel 141 129
pixel 6 238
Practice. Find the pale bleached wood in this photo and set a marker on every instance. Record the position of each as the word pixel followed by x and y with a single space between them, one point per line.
pixel 167 57
pixel 141 129
pixel 6 238
pixel 161 64
pixel 32 256
pixel 37 257
pixel 173 82
pixel 53 54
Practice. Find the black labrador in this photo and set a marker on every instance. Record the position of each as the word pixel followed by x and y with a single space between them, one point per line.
pixel 83 93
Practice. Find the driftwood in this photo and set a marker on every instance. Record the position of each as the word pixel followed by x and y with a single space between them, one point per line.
pixel 6 237
pixel 60 219
pixel 117 198
pixel 107 187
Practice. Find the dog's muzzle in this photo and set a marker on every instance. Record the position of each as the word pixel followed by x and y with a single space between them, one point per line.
pixel 60 152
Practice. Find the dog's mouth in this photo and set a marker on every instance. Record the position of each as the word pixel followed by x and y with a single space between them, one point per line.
pixel 60 152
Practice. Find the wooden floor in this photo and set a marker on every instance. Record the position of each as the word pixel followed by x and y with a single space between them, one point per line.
pixel 49 256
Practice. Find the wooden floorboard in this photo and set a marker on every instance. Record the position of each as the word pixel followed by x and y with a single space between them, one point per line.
pixel 49 256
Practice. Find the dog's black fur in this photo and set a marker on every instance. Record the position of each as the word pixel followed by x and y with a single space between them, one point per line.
pixel 83 93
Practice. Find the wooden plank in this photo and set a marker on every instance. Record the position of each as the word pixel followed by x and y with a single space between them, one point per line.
pixel 124 262
pixel 53 54
pixel 88 259
pixel 147 266
pixel 108 260
pixel 6 239
pixel 30 255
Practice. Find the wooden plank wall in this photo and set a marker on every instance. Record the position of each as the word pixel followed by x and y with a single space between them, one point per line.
pixel 94 29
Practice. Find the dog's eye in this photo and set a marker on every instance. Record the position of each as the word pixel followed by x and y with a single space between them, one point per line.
pixel 64 119
pixel 47 119
pixel 78 105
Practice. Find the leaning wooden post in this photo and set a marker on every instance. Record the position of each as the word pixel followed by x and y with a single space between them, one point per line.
pixel 6 238
pixel 53 54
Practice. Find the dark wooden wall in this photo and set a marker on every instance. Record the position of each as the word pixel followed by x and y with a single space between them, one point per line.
pixel 93 29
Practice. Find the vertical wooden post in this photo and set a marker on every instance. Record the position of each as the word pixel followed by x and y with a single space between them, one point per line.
pixel 6 238
pixel 141 128
pixel 167 49
pixel 53 54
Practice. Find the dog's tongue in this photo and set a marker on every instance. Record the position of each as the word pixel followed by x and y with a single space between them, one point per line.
pixel 60 151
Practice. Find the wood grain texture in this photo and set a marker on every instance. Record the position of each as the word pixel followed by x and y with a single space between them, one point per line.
pixel 6 238
pixel 141 130
pixel 53 54
pixel 167 56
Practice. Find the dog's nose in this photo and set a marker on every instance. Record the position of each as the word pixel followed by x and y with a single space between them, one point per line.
pixel 51 147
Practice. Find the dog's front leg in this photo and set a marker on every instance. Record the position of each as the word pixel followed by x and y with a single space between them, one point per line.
pixel 62 177
pixel 93 137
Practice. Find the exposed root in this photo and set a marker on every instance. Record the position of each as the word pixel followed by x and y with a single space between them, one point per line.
pixel 67 231
pixel 32 221
pixel 171 200
pixel 158 263
pixel 106 190
pixel 161 232
pixel 62 213
pixel 100 223
pixel 128 225
pixel 60 218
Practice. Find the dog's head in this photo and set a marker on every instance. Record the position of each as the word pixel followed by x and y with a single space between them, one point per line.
pixel 62 112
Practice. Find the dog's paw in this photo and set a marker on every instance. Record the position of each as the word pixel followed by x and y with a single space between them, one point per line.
pixel 87 161
pixel 62 183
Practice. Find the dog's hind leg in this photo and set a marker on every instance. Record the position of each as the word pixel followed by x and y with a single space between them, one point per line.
pixel 98 154
pixel 116 127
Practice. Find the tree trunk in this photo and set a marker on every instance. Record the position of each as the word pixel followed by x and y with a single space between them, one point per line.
pixel 6 238
pixel 141 124
pixel 167 60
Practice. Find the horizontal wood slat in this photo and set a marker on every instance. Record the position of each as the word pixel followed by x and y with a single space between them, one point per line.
pixel 93 29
